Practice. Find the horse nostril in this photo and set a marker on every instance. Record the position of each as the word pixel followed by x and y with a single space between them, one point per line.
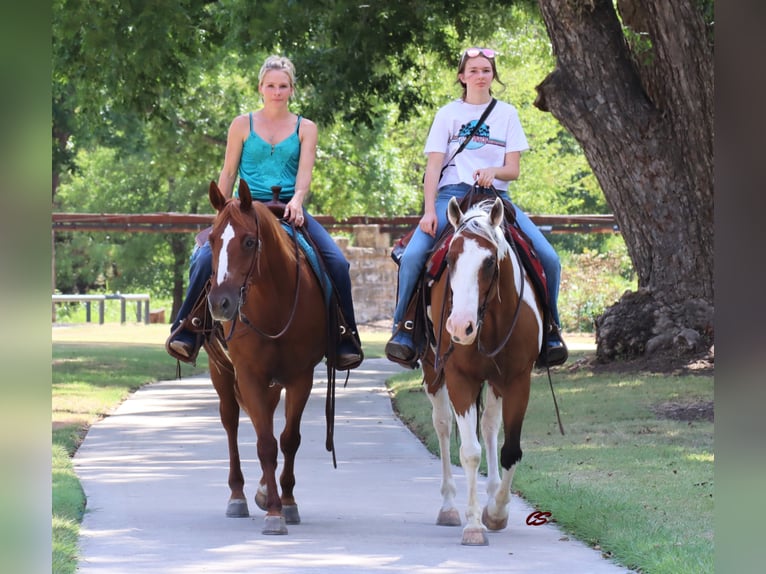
pixel 469 330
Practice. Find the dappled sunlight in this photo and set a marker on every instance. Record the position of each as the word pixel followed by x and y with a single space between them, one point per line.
pixel 700 457
pixel 622 384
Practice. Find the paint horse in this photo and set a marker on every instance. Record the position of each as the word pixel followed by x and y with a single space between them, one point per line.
pixel 271 309
pixel 487 326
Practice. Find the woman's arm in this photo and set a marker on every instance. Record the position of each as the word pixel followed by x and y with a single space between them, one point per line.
pixel 238 131
pixel 429 222
pixel 308 135
pixel 509 171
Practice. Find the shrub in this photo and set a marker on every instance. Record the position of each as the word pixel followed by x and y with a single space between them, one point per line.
pixel 590 282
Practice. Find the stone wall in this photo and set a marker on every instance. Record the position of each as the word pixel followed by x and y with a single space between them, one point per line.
pixel 373 273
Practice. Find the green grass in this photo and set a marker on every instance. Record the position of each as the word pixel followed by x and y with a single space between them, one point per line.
pixel 638 487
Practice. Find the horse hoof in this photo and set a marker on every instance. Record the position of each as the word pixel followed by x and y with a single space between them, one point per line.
pixel 449 517
pixel 274 525
pixel 290 512
pixel 260 499
pixel 475 537
pixel 493 523
pixel 237 508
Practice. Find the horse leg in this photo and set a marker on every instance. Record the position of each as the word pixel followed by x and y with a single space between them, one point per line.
pixel 474 533
pixel 441 416
pixel 515 401
pixel 490 426
pixel 228 409
pixel 261 404
pixel 296 396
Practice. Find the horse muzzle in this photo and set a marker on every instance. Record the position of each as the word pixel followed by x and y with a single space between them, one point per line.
pixel 462 332
pixel 223 303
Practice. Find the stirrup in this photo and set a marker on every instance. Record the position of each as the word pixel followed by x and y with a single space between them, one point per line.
pixel 192 358
pixel 412 362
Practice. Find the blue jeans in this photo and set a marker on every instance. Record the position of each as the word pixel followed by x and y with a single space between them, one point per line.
pixel 416 253
pixel 201 268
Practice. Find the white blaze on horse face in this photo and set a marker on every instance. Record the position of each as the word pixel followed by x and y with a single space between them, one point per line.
pixel 464 281
pixel 223 259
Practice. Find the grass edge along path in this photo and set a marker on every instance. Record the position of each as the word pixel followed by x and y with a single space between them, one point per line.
pixel 89 380
pixel 95 368
pixel 637 487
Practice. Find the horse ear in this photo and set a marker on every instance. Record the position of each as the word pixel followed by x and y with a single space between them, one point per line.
pixel 497 213
pixel 217 200
pixel 245 198
pixel 453 213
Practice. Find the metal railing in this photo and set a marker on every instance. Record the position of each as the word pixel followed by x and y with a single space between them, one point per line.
pixel 141 299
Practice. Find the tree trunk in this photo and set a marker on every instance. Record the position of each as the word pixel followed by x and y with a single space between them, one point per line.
pixel 643 113
pixel 180 249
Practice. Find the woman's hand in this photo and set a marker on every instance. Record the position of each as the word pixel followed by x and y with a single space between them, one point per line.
pixel 485 176
pixel 428 223
pixel 294 212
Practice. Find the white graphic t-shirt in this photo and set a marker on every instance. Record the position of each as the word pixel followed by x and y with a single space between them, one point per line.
pixel 500 133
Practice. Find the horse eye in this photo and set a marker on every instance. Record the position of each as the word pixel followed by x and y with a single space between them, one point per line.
pixel 250 243
pixel 489 263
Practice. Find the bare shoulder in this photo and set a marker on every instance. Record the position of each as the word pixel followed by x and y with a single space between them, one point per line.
pixel 307 124
pixel 241 122
pixel 307 130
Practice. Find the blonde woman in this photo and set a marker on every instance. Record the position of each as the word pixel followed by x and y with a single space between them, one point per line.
pixel 269 147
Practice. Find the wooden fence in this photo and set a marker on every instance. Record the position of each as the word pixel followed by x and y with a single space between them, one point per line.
pixel 169 222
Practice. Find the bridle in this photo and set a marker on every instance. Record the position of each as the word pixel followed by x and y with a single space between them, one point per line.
pixel 440 361
pixel 254 269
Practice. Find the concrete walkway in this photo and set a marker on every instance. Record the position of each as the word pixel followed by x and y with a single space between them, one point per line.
pixel 155 472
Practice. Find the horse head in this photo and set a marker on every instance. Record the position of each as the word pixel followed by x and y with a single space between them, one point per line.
pixel 235 243
pixel 474 257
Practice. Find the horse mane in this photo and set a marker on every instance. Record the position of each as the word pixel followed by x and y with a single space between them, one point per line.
pixel 476 222
pixel 271 232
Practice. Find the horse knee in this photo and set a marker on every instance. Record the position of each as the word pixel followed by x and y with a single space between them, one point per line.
pixel 510 455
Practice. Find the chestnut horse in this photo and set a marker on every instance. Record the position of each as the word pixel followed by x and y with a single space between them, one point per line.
pixel 487 327
pixel 271 309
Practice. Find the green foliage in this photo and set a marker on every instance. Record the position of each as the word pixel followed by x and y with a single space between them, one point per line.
pixel 592 281
pixel 372 77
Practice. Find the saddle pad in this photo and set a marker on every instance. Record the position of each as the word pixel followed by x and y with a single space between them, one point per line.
pixel 437 260
pixel 313 259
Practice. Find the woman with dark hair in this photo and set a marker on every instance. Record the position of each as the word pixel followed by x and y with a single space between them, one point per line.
pixel 489 160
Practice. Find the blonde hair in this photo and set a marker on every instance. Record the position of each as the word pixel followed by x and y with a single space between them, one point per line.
pixel 279 63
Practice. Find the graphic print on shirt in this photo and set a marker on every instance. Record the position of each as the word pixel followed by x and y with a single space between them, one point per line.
pixel 479 139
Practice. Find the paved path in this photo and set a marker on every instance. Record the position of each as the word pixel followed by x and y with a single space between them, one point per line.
pixel 155 471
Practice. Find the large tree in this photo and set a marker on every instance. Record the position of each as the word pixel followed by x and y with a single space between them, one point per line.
pixel 634 84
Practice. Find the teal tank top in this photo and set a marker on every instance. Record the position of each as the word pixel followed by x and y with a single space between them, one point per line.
pixel 263 165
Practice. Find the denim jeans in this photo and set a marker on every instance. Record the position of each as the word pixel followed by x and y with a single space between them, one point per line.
pixel 414 257
pixel 201 268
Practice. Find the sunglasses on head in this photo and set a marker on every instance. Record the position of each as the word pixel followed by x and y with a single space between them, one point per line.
pixel 473 52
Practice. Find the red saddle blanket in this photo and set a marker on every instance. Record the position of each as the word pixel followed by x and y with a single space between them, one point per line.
pixel 529 258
